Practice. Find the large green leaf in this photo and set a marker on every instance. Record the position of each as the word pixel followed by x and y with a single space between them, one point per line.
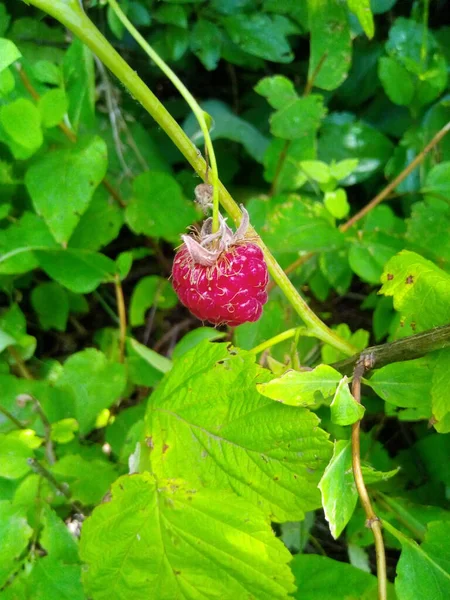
pixel 404 384
pixel 331 44
pixel 53 579
pixel 207 419
pixel 62 183
pixel 421 292
pixel 169 539
pixel 302 388
pixel 424 571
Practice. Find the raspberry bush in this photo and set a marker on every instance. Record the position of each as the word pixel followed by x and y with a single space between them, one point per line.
pixel 233 389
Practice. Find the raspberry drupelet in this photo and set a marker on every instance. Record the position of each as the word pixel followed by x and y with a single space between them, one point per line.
pixel 221 277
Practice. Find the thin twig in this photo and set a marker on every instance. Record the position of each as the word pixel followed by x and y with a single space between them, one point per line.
pixel 280 163
pixel 310 83
pixel 395 182
pixel 21 366
pixel 49 451
pixel 372 521
pixel 122 317
pixel 12 418
pixel 408 348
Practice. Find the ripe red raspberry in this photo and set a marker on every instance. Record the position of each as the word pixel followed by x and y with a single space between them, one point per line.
pixel 222 277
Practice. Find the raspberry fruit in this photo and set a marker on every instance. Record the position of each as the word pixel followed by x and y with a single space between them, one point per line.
pixel 221 277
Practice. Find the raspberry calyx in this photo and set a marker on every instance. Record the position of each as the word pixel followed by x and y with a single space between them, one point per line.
pixel 221 277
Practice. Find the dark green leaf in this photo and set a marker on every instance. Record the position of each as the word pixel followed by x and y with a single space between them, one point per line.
pixel 15 533
pixel 51 303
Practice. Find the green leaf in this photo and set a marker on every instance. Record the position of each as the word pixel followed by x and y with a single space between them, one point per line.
pixel 51 303
pixel 423 571
pixel 99 225
pixel 157 195
pixel 206 41
pixel 56 538
pixel 228 126
pixel 62 183
pixel 53 106
pixel 18 241
pixel 420 290
pixel 181 541
pixel 14 533
pixel 343 168
pixel 159 362
pixel 337 203
pixel 193 430
pixel 195 337
pixel 344 408
pixel 397 82
pixel 125 431
pixel 302 388
pixel 151 290
pixel 92 394
pixel 322 577
pixel 289 176
pixel 297 224
pixel 52 578
pixel 63 431
pixel 21 122
pixel 79 76
pixel 437 183
pixel 440 363
pixel 14 453
pixel 336 270
pixel 9 53
pixel 260 35
pixel 404 384
pixel 338 488
pixel 347 138
pixel 80 271
pixel 331 44
pixel 6 340
pixel 296 116
pixel 88 480
pixel 171 15
pixel 427 230
pixel 361 8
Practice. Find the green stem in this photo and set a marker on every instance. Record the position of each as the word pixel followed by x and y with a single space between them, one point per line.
pixel 277 339
pixel 69 13
pixel 192 102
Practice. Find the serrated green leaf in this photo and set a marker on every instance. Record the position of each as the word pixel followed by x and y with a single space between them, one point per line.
pixel 420 290
pixel 156 195
pixel 9 53
pixel 206 41
pixel 53 579
pixel 331 44
pixel 21 122
pixel 423 571
pixel 14 453
pixel 344 408
pixel 51 303
pixel 53 106
pixel 14 533
pixel 56 538
pixel 397 82
pixel 80 271
pixel 193 429
pixel 260 35
pixel 302 388
pixel 91 394
pixel 151 290
pixel 179 540
pixel 88 480
pixel 61 184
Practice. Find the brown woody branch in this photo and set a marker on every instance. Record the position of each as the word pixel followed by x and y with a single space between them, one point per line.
pixel 409 348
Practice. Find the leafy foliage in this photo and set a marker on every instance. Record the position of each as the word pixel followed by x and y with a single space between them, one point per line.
pixel 201 462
